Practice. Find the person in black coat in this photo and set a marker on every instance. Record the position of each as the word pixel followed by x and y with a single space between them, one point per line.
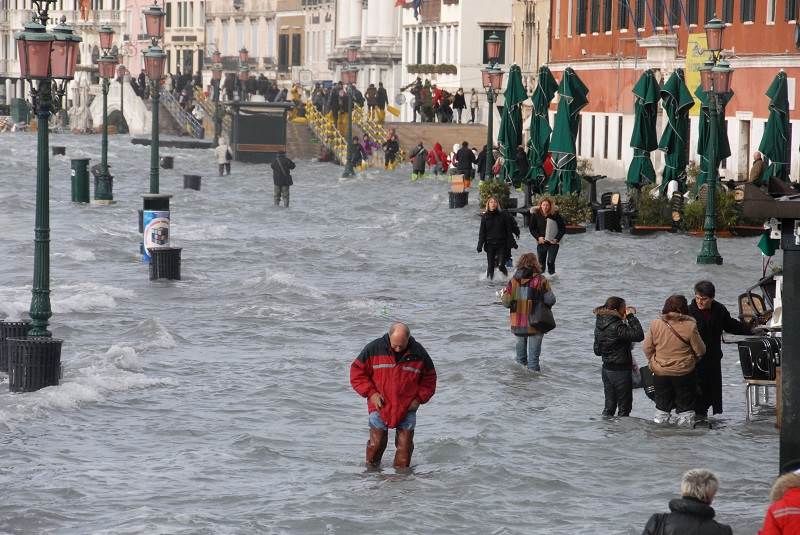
pixel 282 178
pixel 616 329
pixel 692 512
pixel 465 158
pixel 494 237
pixel 390 148
pixel 712 319
pixel 459 103
pixel 522 165
pixel 547 247
pixel 481 163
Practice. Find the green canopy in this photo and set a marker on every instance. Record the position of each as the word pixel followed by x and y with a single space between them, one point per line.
pixel 572 98
pixel 775 142
pixel 539 142
pixel 677 101
pixel 724 149
pixel 644 138
pixel 510 135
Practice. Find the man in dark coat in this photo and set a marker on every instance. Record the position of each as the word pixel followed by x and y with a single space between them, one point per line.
pixel 712 319
pixel 692 512
pixel 382 98
pixel 282 178
pixel 481 163
pixel 465 158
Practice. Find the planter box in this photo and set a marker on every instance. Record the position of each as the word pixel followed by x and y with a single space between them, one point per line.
pixel 639 230
pixel 746 231
pixel 719 233
pixel 576 229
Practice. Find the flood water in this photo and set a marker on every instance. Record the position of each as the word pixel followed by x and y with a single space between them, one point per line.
pixel 221 404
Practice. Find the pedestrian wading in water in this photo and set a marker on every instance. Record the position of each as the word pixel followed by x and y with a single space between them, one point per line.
pixel 673 346
pixel 547 228
pixel 282 178
pixel 396 375
pixel 527 287
pixel 495 237
pixel 616 329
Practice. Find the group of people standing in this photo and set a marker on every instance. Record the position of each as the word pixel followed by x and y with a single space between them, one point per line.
pixel 434 104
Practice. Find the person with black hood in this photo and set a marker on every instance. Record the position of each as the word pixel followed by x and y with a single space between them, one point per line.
pixel 616 329
pixel 712 319
pixel 480 161
pixel 390 149
pixel 522 165
pixel 494 237
pixel 464 160
pixel 419 157
pixel 282 178
pixel 692 512
pixel 547 227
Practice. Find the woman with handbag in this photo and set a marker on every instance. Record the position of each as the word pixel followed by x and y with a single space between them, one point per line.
pixel 673 346
pixel 528 297
pixel 615 331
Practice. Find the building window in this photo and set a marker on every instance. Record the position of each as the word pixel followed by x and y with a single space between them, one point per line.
pixel 691 11
pixel 711 10
pixel 622 14
pixel 619 138
pixel 283 52
pixel 434 35
pixel 501 33
pixel 770 12
pixel 790 10
pixel 641 7
pixel 297 49
pixel 675 13
pixel 419 48
pixel 748 10
pixel 607 15
pixel 658 13
pixel 254 40
pixel 727 11
pixel 580 16
pixel 595 16
pixel 168 22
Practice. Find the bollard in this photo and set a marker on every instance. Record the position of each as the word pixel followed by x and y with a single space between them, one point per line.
pixel 191 182
pixel 10 329
pixel 154 223
pixel 167 162
pixel 80 179
pixel 165 263
pixel 33 363
pixel 458 200
pixel 58 151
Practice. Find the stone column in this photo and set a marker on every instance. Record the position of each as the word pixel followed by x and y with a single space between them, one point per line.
pixel 356 7
pixel 372 22
pixel 342 21
pixel 385 26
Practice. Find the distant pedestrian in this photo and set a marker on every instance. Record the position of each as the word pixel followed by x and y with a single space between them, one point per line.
pixel 382 101
pixel 616 329
pixel 757 171
pixel 524 290
pixel 494 237
pixel 522 166
pixel 691 514
pixel 396 375
pixel 473 106
pixel 419 157
pixel 459 103
pixel 783 516
pixel 465 158
pixel 390 149
pixel 224 156
pixel 547 228
pixel 371 95
pixel 480 162
pixel 282 178
pixel 438 160
pixel 673 346
pixel 357 155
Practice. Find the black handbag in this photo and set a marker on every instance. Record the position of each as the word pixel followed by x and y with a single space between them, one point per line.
pixel 542 317
pixel 648 383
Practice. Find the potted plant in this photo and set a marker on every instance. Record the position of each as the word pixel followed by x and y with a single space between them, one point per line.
pixel 730 221
pixel 653 212
pixel 494 188
pixel 574 208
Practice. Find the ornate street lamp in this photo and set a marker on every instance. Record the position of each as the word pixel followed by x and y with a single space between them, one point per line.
pixel 216 80
pixel 349 79
pixel 44 58
pixel 121 72
pixel 154 58
pixel 492 78
pixel 715 79
pixel 244 55
pixel 107 65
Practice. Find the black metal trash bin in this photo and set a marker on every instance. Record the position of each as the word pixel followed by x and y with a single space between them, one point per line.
pixel 458 200
pixel 165 263
pixel 167 162
pixel 80 179
pixel 10 329
pixel 608 219
pixel 33 363
pixel 58 150
pixel 191 182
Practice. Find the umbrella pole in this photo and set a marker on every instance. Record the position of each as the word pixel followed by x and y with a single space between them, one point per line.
pixel 708 252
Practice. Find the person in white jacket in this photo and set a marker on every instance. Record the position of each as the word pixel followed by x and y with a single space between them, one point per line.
pixel 224 156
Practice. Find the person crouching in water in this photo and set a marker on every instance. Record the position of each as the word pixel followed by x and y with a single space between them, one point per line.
pixel 673 346
pixel 616 329
pixel 495 237
pixel 526 286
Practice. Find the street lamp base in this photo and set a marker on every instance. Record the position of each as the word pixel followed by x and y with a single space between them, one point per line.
pixel 708 253
pixel 717 259
pixel 102 202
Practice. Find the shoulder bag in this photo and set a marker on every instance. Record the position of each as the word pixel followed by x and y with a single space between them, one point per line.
pixel 681 338
pixel 540 316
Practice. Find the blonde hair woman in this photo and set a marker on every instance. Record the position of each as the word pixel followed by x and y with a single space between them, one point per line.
pixel 494 237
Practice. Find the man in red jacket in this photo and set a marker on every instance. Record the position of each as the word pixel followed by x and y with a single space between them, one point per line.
pixel 396 375
pixel 783 516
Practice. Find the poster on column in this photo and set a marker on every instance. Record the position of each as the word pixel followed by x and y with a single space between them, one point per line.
pixel 156 231
pixel 696 55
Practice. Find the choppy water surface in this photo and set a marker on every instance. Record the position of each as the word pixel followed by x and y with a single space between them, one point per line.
pixel 221 403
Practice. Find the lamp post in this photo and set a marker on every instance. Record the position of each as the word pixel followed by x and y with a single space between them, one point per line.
pixel 216 80
pixel 154 68
pixel 44 58
pixel 715 77
pixel 121 72
pixel 349 78
pixel 244 72
pixel 107 64
pixel 492 77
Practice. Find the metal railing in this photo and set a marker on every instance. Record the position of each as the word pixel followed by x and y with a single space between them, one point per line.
pixel 326 132
pixel 375 130
pixel 208 107
pixel 185 120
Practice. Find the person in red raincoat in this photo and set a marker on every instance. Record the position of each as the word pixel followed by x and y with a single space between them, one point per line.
pixel 438 160
pixel 396 375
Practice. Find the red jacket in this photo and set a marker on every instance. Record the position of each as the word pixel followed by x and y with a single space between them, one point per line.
pixel 399 379
pixel 783 516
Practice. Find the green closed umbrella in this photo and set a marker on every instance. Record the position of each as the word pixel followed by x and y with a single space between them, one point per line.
pixel 677 101
pixel 539 142
pixel 573 96
pixel 510 135
pixel 775 142
pixel 643 138
pixel 705 131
